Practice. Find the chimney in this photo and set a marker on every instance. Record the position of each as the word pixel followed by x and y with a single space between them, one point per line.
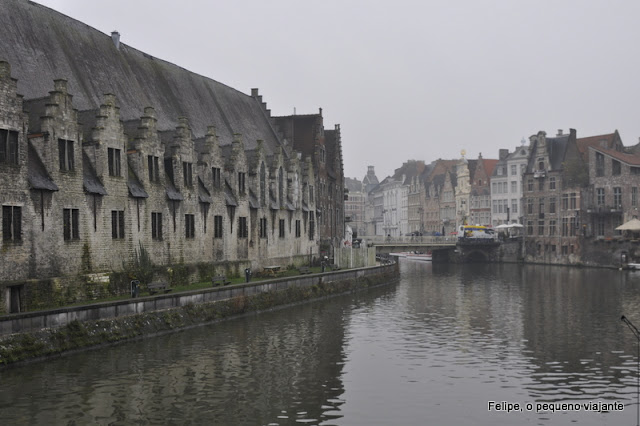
pixel 503 153
pixel 115 36
pixel 559 132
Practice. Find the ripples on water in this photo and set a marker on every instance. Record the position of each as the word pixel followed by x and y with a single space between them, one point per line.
pixel 433 349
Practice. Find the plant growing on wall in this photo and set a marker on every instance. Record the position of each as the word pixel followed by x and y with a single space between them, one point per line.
pixel 141 267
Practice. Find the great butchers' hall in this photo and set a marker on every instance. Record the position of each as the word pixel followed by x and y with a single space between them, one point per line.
pixel 105 149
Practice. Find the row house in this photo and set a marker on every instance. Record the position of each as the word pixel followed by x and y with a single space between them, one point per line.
pixel 410 203
pixel 434 184
pixel 480 210
pixel 416 200
pixel 399 209
pixel 447 204
pixel 431 215
pixel 555 184
pixel 394 219
pixel 473 190
pixel 82 191
pixel 506 185
pixel 354 206
pixel 377 199
pixel 306 134
pixel 614 179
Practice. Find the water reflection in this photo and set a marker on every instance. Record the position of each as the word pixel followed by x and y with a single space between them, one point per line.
pixel 433 349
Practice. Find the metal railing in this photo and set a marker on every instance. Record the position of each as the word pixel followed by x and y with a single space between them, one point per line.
pixel 425 239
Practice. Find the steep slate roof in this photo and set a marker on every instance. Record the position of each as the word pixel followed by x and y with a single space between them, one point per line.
pixel 440 167
pixel 42 45
pixel 353 185
pixel 38 176
pixel 172 193
pixel 204 196
pixel 229 198
pixel 135 186
pixel 557 148
pixel 90 179
pixel 409 169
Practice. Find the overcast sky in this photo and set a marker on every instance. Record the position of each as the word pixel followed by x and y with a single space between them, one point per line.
pixel 405 79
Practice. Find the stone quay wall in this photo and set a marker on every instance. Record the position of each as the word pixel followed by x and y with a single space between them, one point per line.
pixel 239 294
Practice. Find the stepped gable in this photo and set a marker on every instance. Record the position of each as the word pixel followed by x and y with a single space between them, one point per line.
pixel 43 45
pixel 556 149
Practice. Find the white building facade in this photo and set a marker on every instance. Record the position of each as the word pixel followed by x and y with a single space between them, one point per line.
pixel 506 186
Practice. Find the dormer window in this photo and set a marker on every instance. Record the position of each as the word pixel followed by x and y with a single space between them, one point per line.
pixel 217 180
pixel 541 165
pixel 188 174
pixel 241 182
pixel 154 168
pixel 8 146
pixel 65 154
pixel 113 156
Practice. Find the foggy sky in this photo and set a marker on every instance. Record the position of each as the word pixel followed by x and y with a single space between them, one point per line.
pixel 405 79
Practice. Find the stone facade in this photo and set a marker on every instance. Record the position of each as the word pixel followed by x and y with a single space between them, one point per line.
pixel 612 196
pixel 307 134
pixel 447 203
pixel 480 209
pixel 83 191
pixel 553 198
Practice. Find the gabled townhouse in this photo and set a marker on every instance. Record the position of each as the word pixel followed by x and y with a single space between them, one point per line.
pixel 417 200
pixel 480 199
pixel 447 205
pixel 614 178
pixel 354 206
pixel 433 187
pixel 555 183
pixel 506 185
pixel 306 134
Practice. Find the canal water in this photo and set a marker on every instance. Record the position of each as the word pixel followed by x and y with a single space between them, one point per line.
pixel 432 349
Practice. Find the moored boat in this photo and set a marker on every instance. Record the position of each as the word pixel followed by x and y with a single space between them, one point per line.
pixel 427 257
pixel 401 254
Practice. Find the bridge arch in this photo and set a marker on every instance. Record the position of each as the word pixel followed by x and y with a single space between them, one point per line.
pixel 476 255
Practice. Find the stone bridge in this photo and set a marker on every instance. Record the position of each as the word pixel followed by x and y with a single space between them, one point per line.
pixel 444 249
